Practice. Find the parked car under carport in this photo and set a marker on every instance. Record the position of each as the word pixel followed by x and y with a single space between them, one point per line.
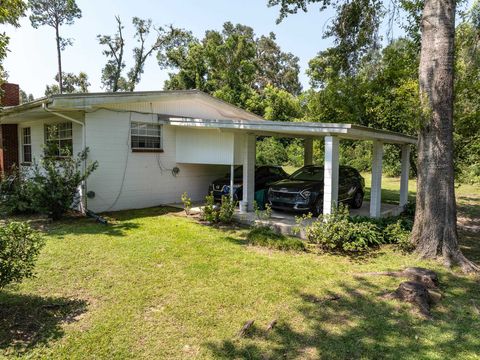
pixel 303 190
pixel 264 176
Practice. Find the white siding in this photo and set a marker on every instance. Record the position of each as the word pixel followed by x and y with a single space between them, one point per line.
pixel 201 146
pixel 127 180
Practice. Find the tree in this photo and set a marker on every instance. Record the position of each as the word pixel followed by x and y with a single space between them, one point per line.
pixel 435 231
pixel 55 13
pixel 467 93
pixel 275 67
pixel 24 97
pixel 234 65
pixel 166 38
pixel 112 78
pixel 10 12
pixel 71 84
pixel 354 29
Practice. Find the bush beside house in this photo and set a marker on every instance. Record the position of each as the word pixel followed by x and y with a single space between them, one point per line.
pixel 19 248
pixel 49 187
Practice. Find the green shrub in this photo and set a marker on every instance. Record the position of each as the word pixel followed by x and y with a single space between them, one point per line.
pixel 56 180
pixel 337 232
pixel 16 193
pixel 396 233
pixel 227 209
pixel 265 236
pixel 209 212
pixel 222 214
pixel 50 186
pixel 187 203
pixel 262 214
pixel 19 248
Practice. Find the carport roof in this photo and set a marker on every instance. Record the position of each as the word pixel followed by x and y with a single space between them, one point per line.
pixel 294 129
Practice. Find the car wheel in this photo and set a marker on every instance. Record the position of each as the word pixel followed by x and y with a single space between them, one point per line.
pixel 357 200
pixel 317 208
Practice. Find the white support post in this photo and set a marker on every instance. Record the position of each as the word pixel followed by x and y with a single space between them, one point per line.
pixel 404 175
pixel 376 187
pixel 232 175
pixel 307 152
pixel 248 173
pixel 330 177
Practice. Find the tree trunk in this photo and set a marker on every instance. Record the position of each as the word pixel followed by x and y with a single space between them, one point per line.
pixel 59 58
pixel 435 228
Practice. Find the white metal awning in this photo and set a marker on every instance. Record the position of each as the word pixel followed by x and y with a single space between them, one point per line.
pixel 294 129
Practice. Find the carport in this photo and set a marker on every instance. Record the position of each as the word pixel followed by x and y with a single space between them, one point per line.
pixel 241 147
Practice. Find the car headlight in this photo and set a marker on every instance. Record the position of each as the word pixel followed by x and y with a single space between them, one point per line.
pixel 305 194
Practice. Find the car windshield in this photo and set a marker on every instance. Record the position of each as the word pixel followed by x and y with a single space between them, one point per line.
pixel 238 172
pixel 308 174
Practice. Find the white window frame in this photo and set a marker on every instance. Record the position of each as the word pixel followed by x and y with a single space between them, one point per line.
pixel 64 133
pixel 146 130
pixel 27 143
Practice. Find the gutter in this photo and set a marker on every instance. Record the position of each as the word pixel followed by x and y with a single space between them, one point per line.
pixel 84 137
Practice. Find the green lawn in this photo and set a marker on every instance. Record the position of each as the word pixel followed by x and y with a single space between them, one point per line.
pixel 155 285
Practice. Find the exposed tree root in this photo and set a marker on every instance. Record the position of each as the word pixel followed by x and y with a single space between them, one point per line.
pixel 245 328
pixel 466 265
pixel 423 276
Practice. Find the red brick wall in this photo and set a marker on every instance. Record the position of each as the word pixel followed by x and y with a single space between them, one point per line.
pixel 8 147
pixel 9 132
pixel 11 95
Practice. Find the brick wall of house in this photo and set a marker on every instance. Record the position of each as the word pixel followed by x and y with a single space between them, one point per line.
pixel 8 147
pixel 10 95
pixel 9 132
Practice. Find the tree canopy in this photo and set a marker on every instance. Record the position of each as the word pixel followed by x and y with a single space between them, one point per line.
pixel 10 12
pixel 236 66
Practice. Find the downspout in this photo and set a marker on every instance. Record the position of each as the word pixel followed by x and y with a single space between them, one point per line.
pixel 84 137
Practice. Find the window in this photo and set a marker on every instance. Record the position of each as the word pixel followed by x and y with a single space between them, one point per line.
pixel 27 145
pixel 310 173
pixel 59 139
pixel 146 137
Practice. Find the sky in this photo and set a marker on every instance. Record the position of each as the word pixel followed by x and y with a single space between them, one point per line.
pixel 32 62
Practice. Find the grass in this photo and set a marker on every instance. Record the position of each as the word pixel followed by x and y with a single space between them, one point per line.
pixel 157 285
pixel 265 236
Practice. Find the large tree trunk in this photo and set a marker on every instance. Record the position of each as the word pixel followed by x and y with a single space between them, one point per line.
pixel 59 58
pixel 435 228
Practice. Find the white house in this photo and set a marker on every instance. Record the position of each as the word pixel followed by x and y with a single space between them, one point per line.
pixel 153 146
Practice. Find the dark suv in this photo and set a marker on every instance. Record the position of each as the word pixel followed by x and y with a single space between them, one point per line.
pixel 264 176
pixel 303 190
